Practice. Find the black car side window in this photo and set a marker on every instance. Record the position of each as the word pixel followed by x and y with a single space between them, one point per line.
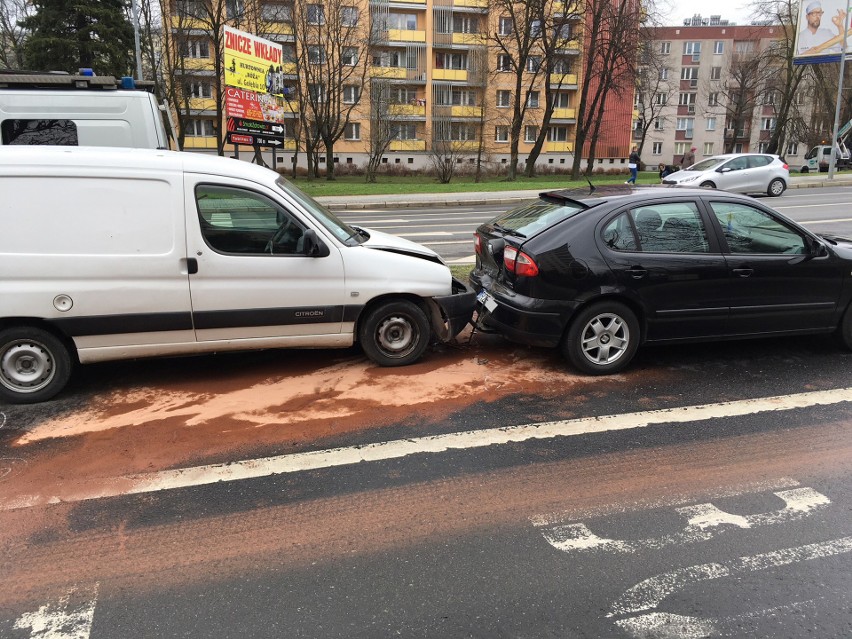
pixel 670 228
pixel 750 230
pixel 618 234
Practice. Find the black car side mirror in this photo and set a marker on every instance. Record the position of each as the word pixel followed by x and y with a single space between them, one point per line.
pixel 313 245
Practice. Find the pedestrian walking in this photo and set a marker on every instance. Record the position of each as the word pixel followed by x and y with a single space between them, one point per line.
pixel 633 164
pixel 688 158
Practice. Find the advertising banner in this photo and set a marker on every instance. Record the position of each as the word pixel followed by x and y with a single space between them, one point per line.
pixel 252 63
pixel 822 26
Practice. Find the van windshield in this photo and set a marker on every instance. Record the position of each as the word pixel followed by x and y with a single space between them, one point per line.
pixel 339 229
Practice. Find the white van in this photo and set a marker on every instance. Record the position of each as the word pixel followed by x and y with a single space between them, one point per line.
pixel 77 110
pixel 110 254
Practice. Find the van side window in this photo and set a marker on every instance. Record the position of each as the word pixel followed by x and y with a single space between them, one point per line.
pixel 237 221
pixel 56 132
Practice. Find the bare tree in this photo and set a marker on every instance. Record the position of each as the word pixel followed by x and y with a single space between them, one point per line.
pixel 449 147
pixel 12 35
pixel 741 92
pixel 382 129
pixel 653 89
pixel 609 63
pixel 334 44
pixel 517 40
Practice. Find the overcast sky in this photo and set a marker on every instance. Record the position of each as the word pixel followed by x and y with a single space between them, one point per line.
pixel 733 10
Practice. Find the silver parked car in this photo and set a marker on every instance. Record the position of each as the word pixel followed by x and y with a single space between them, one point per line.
pixel 736 172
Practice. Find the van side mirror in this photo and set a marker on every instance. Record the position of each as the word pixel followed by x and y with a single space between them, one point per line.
pixel 313 246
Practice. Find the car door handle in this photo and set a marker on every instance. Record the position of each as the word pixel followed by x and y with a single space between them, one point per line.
pixel 744 271
pixel 191 265
pixel 637 272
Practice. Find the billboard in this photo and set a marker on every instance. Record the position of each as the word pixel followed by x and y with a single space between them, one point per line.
pixel 822 26
pixel 254 90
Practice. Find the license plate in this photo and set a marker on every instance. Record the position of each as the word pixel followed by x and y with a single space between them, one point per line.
pixel 486 300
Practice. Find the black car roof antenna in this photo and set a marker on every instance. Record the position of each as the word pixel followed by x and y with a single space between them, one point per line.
pixel 591 186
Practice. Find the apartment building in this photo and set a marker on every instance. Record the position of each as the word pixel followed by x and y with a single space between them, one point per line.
pixel 447 81
pixel 701 70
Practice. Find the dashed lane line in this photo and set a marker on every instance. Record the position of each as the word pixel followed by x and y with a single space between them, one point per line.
pixel 381 451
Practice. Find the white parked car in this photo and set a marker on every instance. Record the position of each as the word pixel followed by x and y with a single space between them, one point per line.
pixel 736 172
pixel 113 254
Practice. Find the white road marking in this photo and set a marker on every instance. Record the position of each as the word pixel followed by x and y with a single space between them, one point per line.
pixel 810 206
pixel 446 242
pixel 840 219
pixel 704 522
pixel 70 618
pixel 650 593
pixel 381 451
pixel 384 220
pixel 427 234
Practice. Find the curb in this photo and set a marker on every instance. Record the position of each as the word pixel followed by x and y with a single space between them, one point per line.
pixel 482 201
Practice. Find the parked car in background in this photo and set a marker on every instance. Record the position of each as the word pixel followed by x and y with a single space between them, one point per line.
pixel 738 173
pixel 598 274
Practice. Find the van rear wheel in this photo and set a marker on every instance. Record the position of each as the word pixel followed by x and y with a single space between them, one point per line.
pixel 34 365
pixel 395 333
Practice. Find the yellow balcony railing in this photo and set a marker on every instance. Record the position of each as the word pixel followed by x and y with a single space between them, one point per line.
pixel 202 104
pixel 466 112
pixel 278 28
pixel 289 68
pixel 564 79
pixel 407 109
pixel 471 39
pixel 408 145
pixel 479 4
pixel 196 64
pixel 404 35
pixel 199 143
pixel 389 72
pixel 559 147
pixel 423 2
pixel 458 75
pixel 288 145
pixel 564 114
pixel 184 23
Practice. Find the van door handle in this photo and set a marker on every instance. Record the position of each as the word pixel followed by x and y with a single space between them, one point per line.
pixel 637 272
pixel 191 265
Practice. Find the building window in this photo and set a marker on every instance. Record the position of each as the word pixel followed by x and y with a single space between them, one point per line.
pixel 532 99
pixel 276 12
pixel 769 97
pixel 664 73
pixel 693 49
pixel 506 26
pixel 349 57
pixel 680 148
pixel 316 55
pixel 689 73
pixel 352 131
pixel 533 63
pixel 711 124
pixel 659 124
pixel 713 99
pixel 234 9
pixel 504 97
pixel 535 28
pixel 767 124
pixel 685 99
pixel 530 133
pixel 402 21
pixel 316 14
pixel 561 66
pixel 761 148
pixel 661 99
pixel 504 62
pixel 454 61
pixel 719 47
pixel 657 148
pixel 665 48
pixel 199 128
pixel 501 133
pixel 349 16
pixel 793 148
pixel 715 73
pixel 687 125
pixel 708 148
pixel 738 147
pixel 561 101
pixel 557 134
pixel 196 48
pixel 351 93
pixel 317 92
pixel 406 131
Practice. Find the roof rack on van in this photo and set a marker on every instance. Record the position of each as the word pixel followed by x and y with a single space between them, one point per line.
pixel 19 79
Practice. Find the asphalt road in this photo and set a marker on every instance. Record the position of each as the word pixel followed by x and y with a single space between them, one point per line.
pixel 487 491
pixel 450 231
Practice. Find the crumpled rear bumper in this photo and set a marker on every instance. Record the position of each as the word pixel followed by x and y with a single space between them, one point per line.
pixel 456 309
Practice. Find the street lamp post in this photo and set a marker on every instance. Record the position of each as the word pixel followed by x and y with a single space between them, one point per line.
pixel 835 146
pixel 137 42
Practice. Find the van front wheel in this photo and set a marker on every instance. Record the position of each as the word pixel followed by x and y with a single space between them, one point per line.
pixel 395 333
pixel 34 365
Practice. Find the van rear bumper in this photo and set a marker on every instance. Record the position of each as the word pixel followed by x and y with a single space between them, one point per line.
pixel 457 308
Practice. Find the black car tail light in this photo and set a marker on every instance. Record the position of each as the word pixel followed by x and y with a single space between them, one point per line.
pixel 519 263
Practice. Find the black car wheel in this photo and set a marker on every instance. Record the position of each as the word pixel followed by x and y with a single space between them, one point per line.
pixel 34 365
pixel 395 333
pixel 776 187
pixel 602 339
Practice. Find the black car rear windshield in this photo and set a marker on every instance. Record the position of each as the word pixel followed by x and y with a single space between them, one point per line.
pixel 529 219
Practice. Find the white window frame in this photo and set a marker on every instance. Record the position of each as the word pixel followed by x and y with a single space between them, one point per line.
pixel 656 148
pixel 352 132
pixel 530 133
pixel 665 48
pixel 718 47
pixel 501 133
pixel 315 14
pixel 504 98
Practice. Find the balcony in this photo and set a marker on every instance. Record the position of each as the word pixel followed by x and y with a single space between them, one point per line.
pixel 288 145
pixel 564 114
pixel 458 111
pixel 401 35
pixel 558 147
pixel 202 104
pixel 474 4
pixel 563 79
pixel 453 75
pixel 185 23
pixel 196 64
pixel 410 2
pixel 407 110
pixel 469 39
pixel 278 28
pixel 397 73
pixel 199 143
pixel 408 145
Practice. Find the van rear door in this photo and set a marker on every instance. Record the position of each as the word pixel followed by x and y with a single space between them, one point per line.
pixel 253 278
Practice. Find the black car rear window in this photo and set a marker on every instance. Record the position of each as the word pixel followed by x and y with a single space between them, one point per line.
pixel 529 219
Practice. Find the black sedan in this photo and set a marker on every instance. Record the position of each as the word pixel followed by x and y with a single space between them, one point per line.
pixel 600 273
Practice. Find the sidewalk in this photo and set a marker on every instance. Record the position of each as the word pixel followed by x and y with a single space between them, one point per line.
pixel 418 200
